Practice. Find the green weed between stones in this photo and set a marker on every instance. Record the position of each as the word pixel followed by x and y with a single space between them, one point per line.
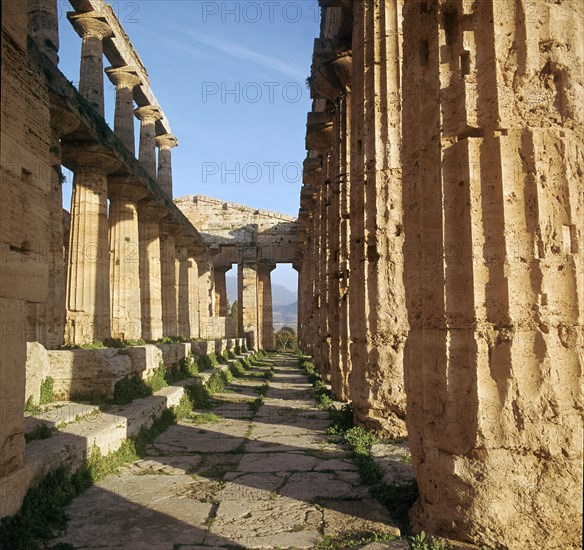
pixel 349 539
pixel 42 516
pixel 40 431
pixel 397 499
pixel 46 396
pixel 422 542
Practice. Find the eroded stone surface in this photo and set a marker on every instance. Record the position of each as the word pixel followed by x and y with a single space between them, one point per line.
pixel 208 484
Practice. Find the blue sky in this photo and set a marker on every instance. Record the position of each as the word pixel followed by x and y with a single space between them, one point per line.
pixel 230 76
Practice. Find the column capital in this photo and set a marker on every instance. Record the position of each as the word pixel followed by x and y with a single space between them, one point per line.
pixel 123 77
pixel 124 187
pixel 221 268
pixel 183 240
pixel 63 121
pixel 151 210
pixel 266 266
pixel 195 250
pixel 148 113
pixel 86 160
pixel 90 25
pixel 166 141
pixel 170 227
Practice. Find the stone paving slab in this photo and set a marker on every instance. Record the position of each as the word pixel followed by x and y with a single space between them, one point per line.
pixel 270 478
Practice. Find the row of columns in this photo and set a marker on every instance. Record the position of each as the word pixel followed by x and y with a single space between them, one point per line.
pixel 130 274
pixel 254 296
pixel 464 248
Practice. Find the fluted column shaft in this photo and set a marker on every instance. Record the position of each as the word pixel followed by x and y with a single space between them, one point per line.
pixel 164 177
pixel 88 303
pixel 149 216
pixel 147 152
pixel 206 303
pixel 193 292
pixel 220 291
pixel 378 305
pixel 126 316
pixel 182 294
pixel 265 306
pixel 92 31
pixel 169 291
pixel 125 81
pixel 247 281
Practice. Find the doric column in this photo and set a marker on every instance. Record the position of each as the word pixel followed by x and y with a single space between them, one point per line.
pixel 43 27
pixel 126 317
pixel 182 286
pixel 149 216
pixel 206 302
pixel 220 290
pixel 147 154
pixel 92 31
pixel 194 252
pixel 88 300
pixel 165 143
pixel 247 281
pixel 494 210
pixel 379 322
pixel 125 80
pixel 344 246
pixel 265 305
pixel 168 276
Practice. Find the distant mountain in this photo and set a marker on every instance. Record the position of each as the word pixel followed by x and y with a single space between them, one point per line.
pixel 281 296
pixel 285 316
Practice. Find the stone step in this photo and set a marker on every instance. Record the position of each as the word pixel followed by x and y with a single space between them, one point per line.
pixel 58 414
pixel 106 430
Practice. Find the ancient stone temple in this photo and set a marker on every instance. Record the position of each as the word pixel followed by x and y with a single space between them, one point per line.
pixel 441 225
pixel 441 276
pixel 125 268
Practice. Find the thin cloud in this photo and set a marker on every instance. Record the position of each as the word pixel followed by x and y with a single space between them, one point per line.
pixel 239 52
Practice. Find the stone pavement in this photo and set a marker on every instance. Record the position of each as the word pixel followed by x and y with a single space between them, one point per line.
pixel 251 475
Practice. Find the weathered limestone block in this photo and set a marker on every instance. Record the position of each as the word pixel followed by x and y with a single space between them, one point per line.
pixel 142 412
pixel 87 372
pixel 12 388
pixel 145 359
pixel 493 199
pixel 220 346
pixel 172 354
pixel 203 347
pixel 37 369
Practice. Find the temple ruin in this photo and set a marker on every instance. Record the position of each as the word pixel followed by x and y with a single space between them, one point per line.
pixel 438 246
